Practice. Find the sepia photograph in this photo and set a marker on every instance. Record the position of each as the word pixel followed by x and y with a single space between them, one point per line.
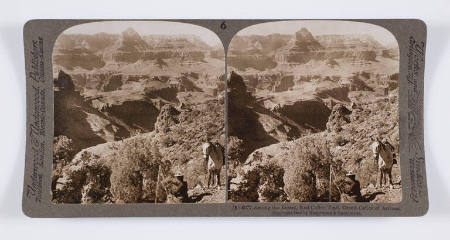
pixel 313 113
pixel 273 120
pixel 139 111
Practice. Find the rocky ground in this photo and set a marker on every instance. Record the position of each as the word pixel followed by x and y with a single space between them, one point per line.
pixel 174 145
pixel 342 143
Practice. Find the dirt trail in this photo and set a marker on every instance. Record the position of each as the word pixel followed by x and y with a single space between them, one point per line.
pixel 383 194
pixel 207 195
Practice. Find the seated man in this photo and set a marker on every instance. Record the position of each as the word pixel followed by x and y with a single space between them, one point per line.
pixel 351 189
pixel 179 191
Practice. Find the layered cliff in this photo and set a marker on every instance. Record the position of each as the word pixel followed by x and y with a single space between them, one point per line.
pixel 268 52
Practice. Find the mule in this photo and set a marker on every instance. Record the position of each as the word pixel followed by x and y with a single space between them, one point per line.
pixel 213 155
pixel 384 156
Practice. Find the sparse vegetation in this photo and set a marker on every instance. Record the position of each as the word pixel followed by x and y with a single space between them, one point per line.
pixel 307 178
pixel 135 171
pixel 63 149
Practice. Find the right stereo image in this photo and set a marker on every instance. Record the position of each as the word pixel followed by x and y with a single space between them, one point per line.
pixel 312 113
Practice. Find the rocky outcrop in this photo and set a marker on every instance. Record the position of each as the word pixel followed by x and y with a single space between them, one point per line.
pixel 305 42
pixel 258 62
pixel 286 83
pixel 334 93
pixel 131 41
pixel 167 93
pixel 312 113
pixel 166 118
pixel 357 84
pixel 253 44
pixel 130 47
pixel 254 52
pixel 95 51
pixel 63 83
pixel 114 83
pixel 250 122
pixel 304 48
pixel 79 57
pixel 309 48
pixel 348 41
pixel 76 119
pixel 391 53
pixel 269 81
pixel 238 94
pixel 338 117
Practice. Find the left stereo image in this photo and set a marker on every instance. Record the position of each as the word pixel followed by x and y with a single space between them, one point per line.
pixel 139 110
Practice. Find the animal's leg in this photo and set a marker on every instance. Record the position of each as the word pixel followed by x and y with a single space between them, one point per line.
pixel 218 179
pixel 380 175
pixel 209 177
pixel 381 178
pixel 390 178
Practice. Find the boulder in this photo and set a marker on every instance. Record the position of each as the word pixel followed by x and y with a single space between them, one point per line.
pixel 339 116
pixel 167 117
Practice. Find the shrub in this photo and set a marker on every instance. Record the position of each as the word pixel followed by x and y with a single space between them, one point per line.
pixel 195 174
pixel 261 183
pixel 135 172
pixel 63 152
pixel 96 185
pixel 301 185
pixel 236 150
pixel 308 179
pixel 271 184
pixel 244 187
pixel 63 149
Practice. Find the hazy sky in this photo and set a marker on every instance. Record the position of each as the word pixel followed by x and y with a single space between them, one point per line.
pixel 146 28
pixel 319 27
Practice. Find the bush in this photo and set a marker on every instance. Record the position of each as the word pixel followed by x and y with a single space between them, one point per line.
pixel 135 172
pixel 195 174
pixel 308 178
pixel 301 185
pixel 262 183
pixel 271 184
pixel 236 150
pixel 63 150
pixel 96 185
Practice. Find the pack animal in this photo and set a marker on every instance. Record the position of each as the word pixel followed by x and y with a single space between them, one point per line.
pixel 385 157
pixel 213 154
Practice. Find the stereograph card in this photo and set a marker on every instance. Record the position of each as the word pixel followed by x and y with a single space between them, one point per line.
pixel 224 118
